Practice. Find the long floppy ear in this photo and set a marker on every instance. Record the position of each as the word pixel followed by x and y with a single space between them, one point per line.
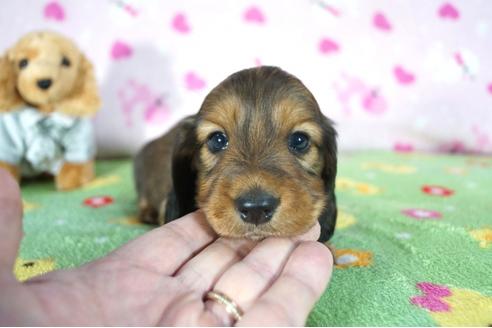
pixel 9 96
pixel 83 100
pixel 181 198
pixel 328 217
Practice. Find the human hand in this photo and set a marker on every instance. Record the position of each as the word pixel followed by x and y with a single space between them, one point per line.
pixel 161 278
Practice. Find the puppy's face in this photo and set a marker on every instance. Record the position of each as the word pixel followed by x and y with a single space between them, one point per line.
pixel 267 156
pixel 46 66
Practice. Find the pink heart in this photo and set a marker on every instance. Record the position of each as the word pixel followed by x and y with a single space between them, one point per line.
pixel 254 15
pixel 489 88
pixel 121 50
pixel 401 147
pixel 403 76
pixel 180 23
pixel 327 46
pixel 448 11
pixel 53 10
pixel 194 82
pixel 373 102
pixel 381 22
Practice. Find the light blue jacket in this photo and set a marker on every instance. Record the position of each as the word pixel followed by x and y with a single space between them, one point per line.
pixel 42 143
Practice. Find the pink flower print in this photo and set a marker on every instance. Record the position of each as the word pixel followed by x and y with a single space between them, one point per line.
pixel 421 214
pixel 134 95
pixel 431 300
pixel 371 99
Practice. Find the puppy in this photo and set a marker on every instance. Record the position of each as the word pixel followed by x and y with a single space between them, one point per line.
pixel 47 95
pixel 259 158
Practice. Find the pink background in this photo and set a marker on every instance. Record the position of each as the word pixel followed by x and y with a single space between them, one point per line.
pixel 392 74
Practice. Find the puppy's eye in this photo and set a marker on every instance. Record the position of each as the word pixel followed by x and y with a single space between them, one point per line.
pixel 299 142
pixel 217 141
pixel 23 63
pixel 66 62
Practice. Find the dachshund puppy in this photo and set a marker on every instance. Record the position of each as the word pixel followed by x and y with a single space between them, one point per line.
pixel 259 159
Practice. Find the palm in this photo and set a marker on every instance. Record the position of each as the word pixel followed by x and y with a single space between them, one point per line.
pixel 161 278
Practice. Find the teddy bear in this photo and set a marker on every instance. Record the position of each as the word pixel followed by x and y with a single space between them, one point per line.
pixel 48 94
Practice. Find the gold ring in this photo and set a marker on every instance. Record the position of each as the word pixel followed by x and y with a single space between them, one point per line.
pixel 230 306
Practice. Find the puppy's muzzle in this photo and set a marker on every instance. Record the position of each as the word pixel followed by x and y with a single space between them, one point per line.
pixel 256 206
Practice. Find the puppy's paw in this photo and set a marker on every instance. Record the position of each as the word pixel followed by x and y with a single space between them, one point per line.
pixel 12 169
pixel 74 175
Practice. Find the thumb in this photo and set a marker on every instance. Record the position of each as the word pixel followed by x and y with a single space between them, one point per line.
pixel 10 222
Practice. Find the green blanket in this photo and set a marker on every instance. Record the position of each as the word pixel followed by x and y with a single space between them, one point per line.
pixel 413 240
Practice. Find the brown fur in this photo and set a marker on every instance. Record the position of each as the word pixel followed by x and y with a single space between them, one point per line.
pixel 73 92
pixel 257 109
pixel 74 175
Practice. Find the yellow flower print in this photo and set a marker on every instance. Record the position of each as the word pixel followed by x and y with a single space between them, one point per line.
pixel 25 269
pixel 346 258
pixel 389 168
pixel 345 220
pixel 346 184
pixel 484 236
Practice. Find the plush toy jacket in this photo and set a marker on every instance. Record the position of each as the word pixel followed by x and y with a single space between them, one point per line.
pixel 39 143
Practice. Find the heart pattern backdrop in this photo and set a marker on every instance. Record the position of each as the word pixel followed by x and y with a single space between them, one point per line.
pixel 392 74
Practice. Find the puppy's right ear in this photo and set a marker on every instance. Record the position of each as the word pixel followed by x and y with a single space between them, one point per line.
pixel 9 96
pixel 181 198
pixel 328 217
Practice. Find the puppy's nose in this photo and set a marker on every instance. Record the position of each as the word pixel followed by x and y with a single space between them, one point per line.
pixel 256 206
pixel 45 84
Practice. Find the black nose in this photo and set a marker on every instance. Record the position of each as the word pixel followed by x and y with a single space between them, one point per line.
pixel 256 206
pixel 45 84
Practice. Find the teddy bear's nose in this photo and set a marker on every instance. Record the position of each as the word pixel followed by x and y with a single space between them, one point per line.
pixel 45 84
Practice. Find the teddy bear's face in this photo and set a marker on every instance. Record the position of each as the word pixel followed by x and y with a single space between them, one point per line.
pixel 47 68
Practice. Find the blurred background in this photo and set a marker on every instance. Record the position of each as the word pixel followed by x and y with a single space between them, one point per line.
pixel 395 75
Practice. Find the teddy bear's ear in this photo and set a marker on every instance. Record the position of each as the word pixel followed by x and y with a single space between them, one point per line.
pixel 83 100
pixel 9 96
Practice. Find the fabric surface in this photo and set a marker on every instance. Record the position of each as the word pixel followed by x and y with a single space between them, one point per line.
pixel 405 74
pixel 413 240
pixel 41 143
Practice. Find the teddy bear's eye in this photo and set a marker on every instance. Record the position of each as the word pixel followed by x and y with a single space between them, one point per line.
pixel 65 62
pixel 23 63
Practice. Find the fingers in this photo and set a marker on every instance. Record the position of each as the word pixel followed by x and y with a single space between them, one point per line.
pixel 10 222
pixel 166 248
pixel 246 280
pixel 202 271
pixel 292 296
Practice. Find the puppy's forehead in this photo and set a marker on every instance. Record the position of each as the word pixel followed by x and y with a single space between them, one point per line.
pixel 259 101
pixel 43 44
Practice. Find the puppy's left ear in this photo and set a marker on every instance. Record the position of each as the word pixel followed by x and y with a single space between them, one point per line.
pixel 328 217
pixel 181 198
pixel 83 100
pixel 9 96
